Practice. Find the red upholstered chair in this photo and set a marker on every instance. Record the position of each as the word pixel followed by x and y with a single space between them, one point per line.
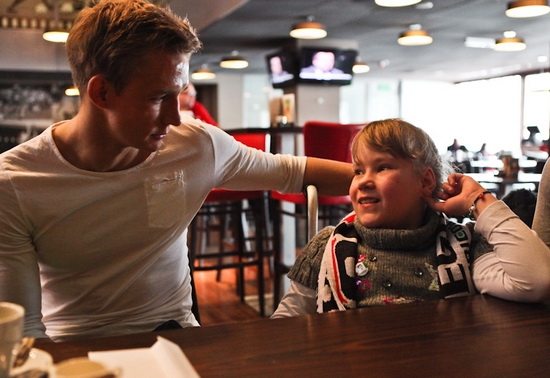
pixel 228 214
pixel 328 140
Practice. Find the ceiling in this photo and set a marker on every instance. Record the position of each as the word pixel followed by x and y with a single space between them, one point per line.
pixel 255 28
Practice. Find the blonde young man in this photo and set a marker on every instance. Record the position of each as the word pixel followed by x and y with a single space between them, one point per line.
pixel 95 210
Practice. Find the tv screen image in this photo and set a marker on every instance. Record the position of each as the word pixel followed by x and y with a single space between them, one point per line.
pixel 282 68
pixel 326 66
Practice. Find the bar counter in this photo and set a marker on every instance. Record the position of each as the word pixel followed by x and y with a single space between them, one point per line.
pixel 475 336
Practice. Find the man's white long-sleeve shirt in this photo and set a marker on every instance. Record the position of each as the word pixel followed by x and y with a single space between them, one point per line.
pixel 105 253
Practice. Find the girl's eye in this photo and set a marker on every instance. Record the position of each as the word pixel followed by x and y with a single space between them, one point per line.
pixel 383 168
pixel 358 170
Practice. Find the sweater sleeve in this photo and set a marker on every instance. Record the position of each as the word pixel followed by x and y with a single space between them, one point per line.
pixel 519 267
pixel 301 297
pixel 308 263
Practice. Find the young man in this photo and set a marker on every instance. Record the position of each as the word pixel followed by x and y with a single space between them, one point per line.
pixel 94 211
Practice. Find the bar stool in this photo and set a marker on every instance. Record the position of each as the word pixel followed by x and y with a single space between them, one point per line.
pixel 328 140
pixel 227 215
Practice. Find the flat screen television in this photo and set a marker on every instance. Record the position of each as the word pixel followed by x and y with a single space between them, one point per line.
pixel 282 67
pixel 329 66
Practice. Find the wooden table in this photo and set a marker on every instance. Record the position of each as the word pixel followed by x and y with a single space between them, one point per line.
pixel 498 164
pixel 475 336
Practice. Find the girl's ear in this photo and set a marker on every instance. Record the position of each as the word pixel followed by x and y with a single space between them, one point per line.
pixel 428 182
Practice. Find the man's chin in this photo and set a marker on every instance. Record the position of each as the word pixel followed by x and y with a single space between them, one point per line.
pixel 156 143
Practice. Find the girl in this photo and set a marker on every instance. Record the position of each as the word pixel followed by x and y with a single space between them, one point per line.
pixel 397 246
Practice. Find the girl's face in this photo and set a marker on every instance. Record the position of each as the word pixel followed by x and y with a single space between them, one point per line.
pixel 386 192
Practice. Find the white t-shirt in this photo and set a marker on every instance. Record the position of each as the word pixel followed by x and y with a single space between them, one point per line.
pixel 105 253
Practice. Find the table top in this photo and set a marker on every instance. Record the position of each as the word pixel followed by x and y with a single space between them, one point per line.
pixel 522 178
pixel 499 164
pixel 469 336
pixel 266 130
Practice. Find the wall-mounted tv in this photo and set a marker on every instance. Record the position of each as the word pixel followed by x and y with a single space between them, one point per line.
pixel 329 66
pixel 282 68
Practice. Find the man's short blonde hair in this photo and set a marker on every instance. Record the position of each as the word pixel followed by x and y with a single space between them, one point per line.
pixel 111 38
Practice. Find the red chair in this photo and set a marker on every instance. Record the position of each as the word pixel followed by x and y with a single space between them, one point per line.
pixel 227 213
pixel 328 140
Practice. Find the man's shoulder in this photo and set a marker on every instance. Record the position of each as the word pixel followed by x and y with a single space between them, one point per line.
pixel 27 151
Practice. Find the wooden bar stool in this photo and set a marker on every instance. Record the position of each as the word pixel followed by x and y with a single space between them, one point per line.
pixel 230 231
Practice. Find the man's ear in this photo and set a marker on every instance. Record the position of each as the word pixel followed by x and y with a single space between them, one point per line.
pixel 428 182
pixel 98 91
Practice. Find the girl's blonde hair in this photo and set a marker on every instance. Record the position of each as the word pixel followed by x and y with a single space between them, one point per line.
pixel 403 140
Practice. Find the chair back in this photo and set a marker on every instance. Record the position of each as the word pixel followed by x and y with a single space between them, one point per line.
pixel 330 140
pixel 258 141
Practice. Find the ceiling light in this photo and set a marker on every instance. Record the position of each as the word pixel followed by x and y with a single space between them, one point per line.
pixel 527 8
pixel 56 35
pixel 415 36
pixel 56 32
pixel 509 43
pixel 203 73
pixel 360 67
pixel 72 91
pixel 308 30
pixel 396 3
pixel 234 61
pixel 479 42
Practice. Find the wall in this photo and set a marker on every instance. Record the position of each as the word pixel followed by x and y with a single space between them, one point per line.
pixel 230 101
pixel 429 105
pixel 369 99
pixel 44 56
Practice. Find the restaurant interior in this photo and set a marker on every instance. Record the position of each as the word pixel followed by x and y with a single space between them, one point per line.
pixel 475 77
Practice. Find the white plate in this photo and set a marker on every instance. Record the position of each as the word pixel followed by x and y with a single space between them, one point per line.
pixel 38 359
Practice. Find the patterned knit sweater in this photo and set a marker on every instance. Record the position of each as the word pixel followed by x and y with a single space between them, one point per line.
pixel 401 263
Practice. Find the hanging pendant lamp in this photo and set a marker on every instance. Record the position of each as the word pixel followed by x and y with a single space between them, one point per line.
pixel 56 31
pixel 396 3
pixel 527 8
pixel 234 61
pixel 360 67
pixel 203 73
pixel 510 42
pixel 308 30
pixel 415 36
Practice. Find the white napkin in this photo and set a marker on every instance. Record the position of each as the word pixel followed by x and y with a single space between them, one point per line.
pixel 163 359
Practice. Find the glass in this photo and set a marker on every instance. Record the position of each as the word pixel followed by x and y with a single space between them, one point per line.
pixel 11 331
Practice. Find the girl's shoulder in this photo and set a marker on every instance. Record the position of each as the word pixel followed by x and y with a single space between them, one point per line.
pixel 308 262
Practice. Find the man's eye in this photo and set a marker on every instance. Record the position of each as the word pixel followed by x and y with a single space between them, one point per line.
pixel 159 97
